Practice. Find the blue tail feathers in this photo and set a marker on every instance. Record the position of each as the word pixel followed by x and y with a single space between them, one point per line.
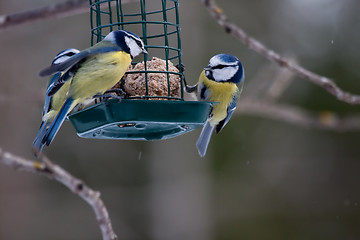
pixel 58 121
pixel 204 139
pixel 38 144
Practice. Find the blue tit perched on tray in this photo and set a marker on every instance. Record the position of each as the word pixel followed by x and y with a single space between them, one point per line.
pixel 53 103
pixel 218 82
pixel 92 72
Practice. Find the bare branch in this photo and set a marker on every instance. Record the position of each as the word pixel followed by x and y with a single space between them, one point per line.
pixel 59 10
pixel 78 187
pixel 324 82
pixel 281 81
pixel 324 120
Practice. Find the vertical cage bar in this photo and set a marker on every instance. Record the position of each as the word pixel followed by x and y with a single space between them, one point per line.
pixel 98 21
pixel 176 5
pixel 118 7
pixel 91 22
pixel 165 22
pixel 121 16
pixel 110 16
pixel 144 38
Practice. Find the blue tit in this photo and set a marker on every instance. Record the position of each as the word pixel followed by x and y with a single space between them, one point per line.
pixel 218 82
pixel 53 103
pixel 92 72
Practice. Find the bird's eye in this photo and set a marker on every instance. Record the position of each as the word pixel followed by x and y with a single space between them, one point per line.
pixel 220 66
pixel 139 43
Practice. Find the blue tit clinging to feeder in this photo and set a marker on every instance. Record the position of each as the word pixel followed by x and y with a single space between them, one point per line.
pixel 53 103
pixel 218 83
pixel 93 71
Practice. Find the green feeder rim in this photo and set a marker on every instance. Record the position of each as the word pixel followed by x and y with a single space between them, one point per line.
pixel 163 41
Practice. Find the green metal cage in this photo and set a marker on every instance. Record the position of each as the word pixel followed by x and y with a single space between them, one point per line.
pixel 156 23
pixel 145 117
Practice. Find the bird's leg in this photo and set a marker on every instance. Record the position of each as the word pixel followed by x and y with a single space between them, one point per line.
pixel 181 67
pixel 105 96
pixel 115 93
pixel 118 91
pixel 188 89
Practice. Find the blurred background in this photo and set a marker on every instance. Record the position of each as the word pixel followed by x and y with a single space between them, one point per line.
pixel 261 179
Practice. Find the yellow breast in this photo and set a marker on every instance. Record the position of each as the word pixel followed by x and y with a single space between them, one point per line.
pixel 221 92
pixel 98 74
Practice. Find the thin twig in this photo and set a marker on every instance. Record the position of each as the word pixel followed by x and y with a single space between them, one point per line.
pixel 47 168
pixel 279 84
pixel 324 120
pixel 59 10
pixel 324 82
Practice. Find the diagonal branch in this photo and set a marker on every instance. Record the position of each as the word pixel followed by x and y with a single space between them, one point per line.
pixel 48 12
pixel 78 187
pixel 324 82
pixel 58 10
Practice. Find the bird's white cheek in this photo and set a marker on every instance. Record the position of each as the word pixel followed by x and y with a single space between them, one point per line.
pixel 224 74
pixel 134 48
pixel 135 51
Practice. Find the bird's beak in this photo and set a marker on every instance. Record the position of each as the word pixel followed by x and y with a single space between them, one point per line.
pixel 144 51
pixel 207 68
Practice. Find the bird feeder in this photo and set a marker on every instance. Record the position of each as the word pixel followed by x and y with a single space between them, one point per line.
pixel 154 107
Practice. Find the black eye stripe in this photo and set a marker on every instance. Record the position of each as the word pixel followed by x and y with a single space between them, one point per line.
pixel 138 42
pixel 70 54
pixel 221 66
pixel 63 56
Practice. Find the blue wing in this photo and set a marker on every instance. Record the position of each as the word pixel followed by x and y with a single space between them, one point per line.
pixel 58 121
pixel 47 104
pixel 56 85
pixel 230 110
pixel 73 60
pixel 37 144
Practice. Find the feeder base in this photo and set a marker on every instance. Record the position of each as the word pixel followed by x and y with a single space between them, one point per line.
pixel 132 119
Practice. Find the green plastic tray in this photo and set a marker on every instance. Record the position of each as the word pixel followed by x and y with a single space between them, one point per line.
pixel 132 119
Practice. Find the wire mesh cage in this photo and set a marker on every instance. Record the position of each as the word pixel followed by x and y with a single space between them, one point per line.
pixel 154 106
pixel 156 22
